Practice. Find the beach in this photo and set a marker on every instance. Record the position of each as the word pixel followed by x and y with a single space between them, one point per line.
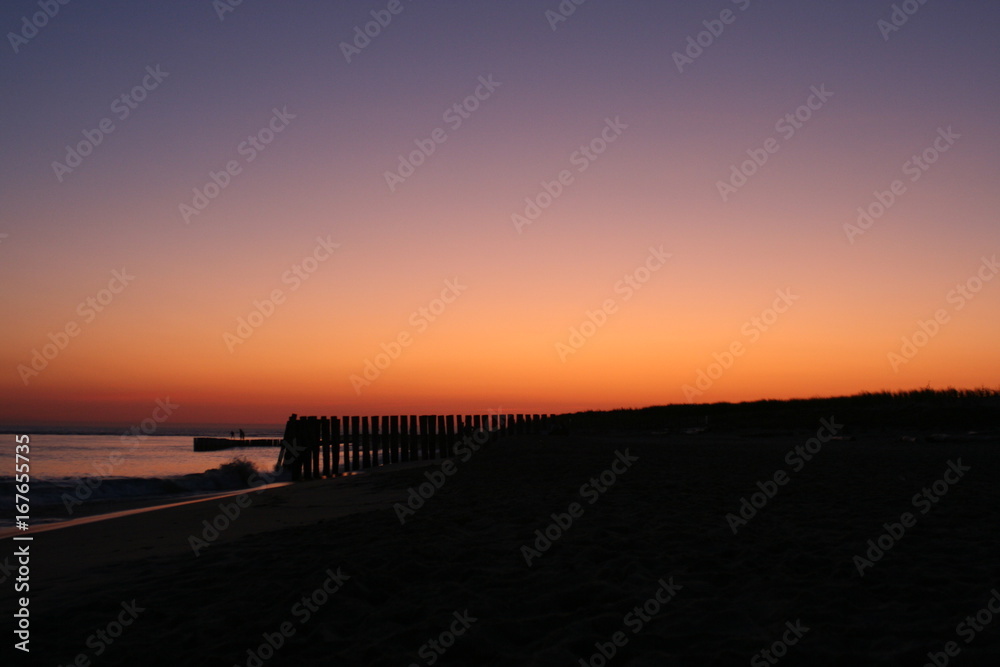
pixel 644 554
pixel 562 333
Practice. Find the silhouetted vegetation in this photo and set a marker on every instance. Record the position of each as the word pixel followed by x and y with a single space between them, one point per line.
pixel 955 410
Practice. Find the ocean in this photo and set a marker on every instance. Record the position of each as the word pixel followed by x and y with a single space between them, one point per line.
pixel 68 471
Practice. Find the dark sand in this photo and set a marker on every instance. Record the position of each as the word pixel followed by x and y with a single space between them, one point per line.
pixel 663 518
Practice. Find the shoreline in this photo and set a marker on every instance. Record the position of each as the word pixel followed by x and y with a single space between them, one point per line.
pixel 166 530
pixel 111 509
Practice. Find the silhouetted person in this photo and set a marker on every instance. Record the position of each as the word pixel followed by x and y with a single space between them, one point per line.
pixel 232 434
pixel 242 436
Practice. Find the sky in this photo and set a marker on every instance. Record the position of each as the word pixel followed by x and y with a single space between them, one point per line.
pixel 266 208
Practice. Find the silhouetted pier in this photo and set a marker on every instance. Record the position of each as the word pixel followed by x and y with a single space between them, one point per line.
pixel 315 447
pixel 215 444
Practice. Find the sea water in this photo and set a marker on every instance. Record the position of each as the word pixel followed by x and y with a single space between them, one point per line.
pixel 65 468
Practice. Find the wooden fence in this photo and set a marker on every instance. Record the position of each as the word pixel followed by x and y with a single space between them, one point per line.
pixel 315 447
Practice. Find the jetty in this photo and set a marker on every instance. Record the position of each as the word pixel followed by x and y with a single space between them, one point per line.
pixel 215 444
pixel 318 447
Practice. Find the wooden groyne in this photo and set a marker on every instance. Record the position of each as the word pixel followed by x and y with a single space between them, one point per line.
pixel 215 444
pixel 316 447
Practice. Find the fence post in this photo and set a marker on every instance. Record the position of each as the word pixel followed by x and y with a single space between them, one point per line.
pixel 306 441
pixel 386 444
pixel 325 444
pixel 450 436
pixel 422 421
pixel 315 435
pixel 414 443
pixel 394 439
pixel 335 444
pixel 289 460
pixel 404 438
pixel 366 444
pixel 300 451
pixel 477 426
pixel 355 442
pixel 437 428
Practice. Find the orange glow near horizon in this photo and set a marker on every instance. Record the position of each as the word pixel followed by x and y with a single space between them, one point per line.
pixel 355 261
